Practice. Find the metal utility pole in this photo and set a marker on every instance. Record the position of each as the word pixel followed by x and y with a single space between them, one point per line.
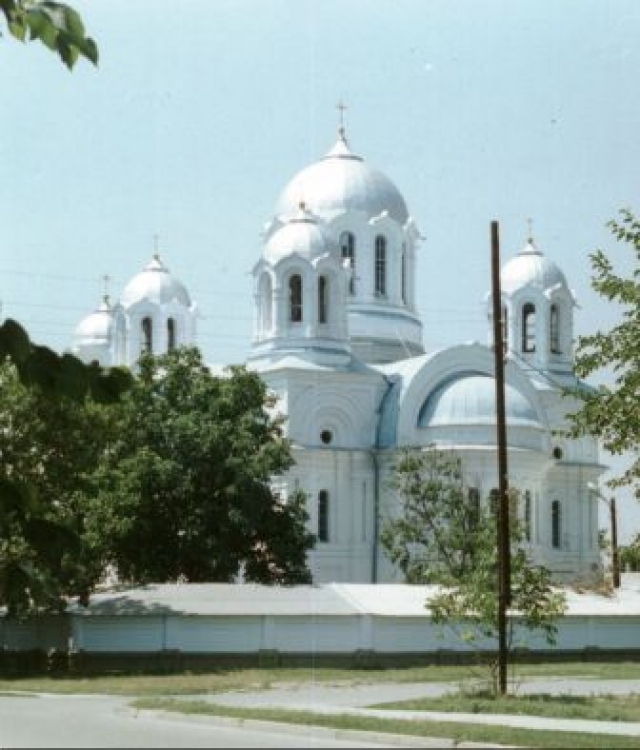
pixel 502 511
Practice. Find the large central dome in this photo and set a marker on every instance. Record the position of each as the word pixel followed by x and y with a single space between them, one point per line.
pixel 342 182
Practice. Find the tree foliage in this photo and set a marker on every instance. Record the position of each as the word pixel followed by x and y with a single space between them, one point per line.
pixel 630 555
pixel 443 537
pixel 470 607
pixel 56 375
pixel 433 540
pixel 48 445
pixel 612 413
pixel 50 431
pixel 45 449
pixel 58 26
pixel 186 493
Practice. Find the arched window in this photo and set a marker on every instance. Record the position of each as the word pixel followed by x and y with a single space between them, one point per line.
pixel 348 248
pixel 147 335
pixel 381 266
pixel 295 298
pixel 556 524
pixel 527 515
pixel 171 334
pixel 265 294
pixel 554 329
pixel 323 516
pixel 323 300
pixel 403 274
pixel 529 328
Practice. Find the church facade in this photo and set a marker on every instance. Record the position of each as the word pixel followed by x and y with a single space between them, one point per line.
pixel 338 339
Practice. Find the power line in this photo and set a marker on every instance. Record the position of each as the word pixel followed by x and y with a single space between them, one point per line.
pixel 55 277
pixel 16 303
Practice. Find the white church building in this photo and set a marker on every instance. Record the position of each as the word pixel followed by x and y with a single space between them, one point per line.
pixel 338 338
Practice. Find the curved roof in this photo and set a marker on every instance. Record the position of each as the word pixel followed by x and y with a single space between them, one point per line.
pixel 470 399
pixel 155 284
pixel 531 267
pixel 301 234
pixel 96 327
pixel 342 182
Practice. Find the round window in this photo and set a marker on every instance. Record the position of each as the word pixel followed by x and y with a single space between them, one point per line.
pixel 326 436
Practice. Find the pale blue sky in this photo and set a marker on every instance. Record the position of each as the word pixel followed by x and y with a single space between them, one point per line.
pixel 201 110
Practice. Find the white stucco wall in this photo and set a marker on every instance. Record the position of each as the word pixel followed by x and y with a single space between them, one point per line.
pixel 325 619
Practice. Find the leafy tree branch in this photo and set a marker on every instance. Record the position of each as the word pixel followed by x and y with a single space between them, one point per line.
pixel 57 25
pixel 612 412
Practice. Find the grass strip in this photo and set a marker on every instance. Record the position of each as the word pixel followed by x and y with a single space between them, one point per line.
pixel 222 680
pixel 513 736
pixel 592 707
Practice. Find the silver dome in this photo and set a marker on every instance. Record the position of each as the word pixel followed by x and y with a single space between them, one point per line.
pixel 470 399
pixel 301 235
pixel 96 327
pixel 530 268
pixel 155 284
pixel 341 182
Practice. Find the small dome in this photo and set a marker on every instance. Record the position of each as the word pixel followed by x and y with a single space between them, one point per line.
pixel 155 284
pixel 530 267
pixel 96 327
pixel 301 235
pixel 341 182
pixel 471 400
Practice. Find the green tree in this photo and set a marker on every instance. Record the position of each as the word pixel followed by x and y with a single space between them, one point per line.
pixel 612 412
pixel 58 26
pixel 442 536
pixel 470 607
pixel 630 555
pixel 433 540
pixel 48 442
pixel 186 492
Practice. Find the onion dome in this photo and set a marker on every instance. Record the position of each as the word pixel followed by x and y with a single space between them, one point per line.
pixel 155 284
pixel 470 399
pixel 301 234
pixel 530 267
pixel 341 182
pixel 96 328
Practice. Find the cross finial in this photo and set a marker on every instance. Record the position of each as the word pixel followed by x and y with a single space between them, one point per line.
pixel 530 230
pixel 341 106
pixel 105 278
pixel 156 243
pixel 302 204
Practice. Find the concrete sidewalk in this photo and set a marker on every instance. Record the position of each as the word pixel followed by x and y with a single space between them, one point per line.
pixel 627 728
pixel 354 699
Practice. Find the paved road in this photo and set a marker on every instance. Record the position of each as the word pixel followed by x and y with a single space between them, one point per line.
pixel 105 721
